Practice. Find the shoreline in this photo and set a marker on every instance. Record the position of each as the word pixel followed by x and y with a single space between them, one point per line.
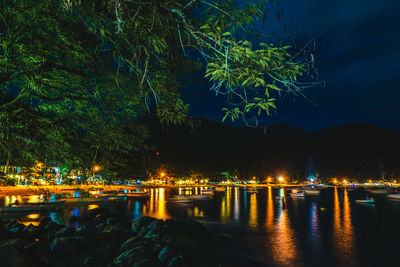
pixel 29 190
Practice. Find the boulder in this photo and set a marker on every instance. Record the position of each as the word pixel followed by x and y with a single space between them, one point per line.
pixel 64 246
pixel 134 255
pixel 167 253
pixel 141 222
pixel 10 254
pixel 65 231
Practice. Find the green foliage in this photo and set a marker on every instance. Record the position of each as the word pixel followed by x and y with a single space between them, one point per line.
pixel 76 75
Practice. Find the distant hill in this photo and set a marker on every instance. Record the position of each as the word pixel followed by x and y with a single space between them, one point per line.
pixel 357 150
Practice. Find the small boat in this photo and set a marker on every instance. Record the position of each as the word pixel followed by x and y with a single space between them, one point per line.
pixel 298 194
pixel 28 207
pixel 312 191
pixel 207 191
pixel 365 201
pixel 393 196
pixel 251 190
pixel 378 191
pixel 220 189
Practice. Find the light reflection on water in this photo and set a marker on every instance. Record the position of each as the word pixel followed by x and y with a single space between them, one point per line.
pixel 319 230
pixel 281 239
pixel 343 229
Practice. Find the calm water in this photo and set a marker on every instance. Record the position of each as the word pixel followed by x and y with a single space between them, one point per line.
pixel 326 230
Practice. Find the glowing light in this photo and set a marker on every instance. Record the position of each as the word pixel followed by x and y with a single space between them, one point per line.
pixel 93 206
pixel 281 179
pixel 33 216
pixel 162 174
pixel 96 168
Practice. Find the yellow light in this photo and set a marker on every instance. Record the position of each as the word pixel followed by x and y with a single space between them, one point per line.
pixel 162 174
pixel 335 181
pixel 345 181
pixel 33 216
pixel 280 179
pixel 93 206
pixel 96 168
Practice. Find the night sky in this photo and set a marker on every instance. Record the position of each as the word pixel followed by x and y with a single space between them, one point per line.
pixel 358 52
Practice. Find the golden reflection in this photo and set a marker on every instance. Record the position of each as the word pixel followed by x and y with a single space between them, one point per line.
pixel 151 208
pixel 225 207
pixel 197 212
pixel 93 206
pixel 282 240
pixel 228 201
pixel 269 221
pixel 343 229
pixel 253 217
pixel 33 216
pixel 27 223
pixel 156 206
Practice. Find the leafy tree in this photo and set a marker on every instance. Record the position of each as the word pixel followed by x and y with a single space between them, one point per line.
pixel 89 69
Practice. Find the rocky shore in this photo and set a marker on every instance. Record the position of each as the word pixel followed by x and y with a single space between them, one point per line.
pixel 113 241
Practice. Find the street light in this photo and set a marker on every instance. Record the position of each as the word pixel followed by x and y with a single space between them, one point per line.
pixel 280 179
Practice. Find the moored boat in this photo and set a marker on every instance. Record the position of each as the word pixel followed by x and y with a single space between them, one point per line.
pixel 393 196
pixel 220 189
pixel 298 194
pixel 312 191
pixel 207 192
pixel 365 201
pixel 252 190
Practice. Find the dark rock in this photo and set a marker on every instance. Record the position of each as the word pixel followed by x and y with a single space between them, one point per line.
pixel 167 253
pixel 52 227
pixel 44 222
pixel 63 246
pixel 129 257
pixel 146 263
pixel 177 261
pixel 81 231
pixel 134 255
pixel 65 231
pixel 90 261
pixel 10 254
pixel 143 221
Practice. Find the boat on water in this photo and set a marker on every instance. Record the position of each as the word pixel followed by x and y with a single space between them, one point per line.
pixel 298 194
pixel 365 201
pixel 207 191
pixel 29 207
pixel 379 191
pixel 252 191
pixel 312 191
pixel 393 196
pixel 220 189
